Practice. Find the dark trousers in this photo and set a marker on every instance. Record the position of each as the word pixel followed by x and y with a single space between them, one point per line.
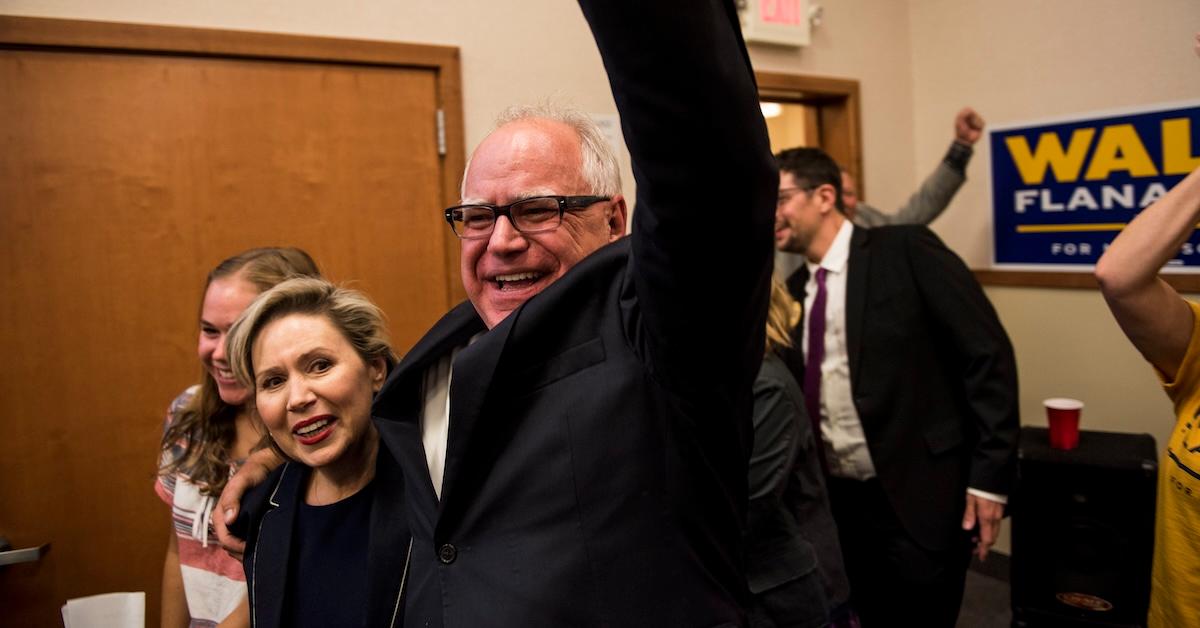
pixel 894 581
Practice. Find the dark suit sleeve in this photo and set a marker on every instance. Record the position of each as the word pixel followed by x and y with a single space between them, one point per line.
pixel 983 356
pixel 706 184
pixel 775 445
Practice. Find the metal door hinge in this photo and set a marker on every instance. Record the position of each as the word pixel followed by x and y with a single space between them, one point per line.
pixel 441 132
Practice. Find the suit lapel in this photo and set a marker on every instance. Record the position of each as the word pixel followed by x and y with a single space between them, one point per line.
pixel 397 408
pixel 388 543
pixel 859 266
pixel 477 367
pixel 400 397
pixel 274 543
pixel 473 372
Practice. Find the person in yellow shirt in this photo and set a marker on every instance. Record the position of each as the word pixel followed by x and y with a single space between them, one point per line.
pixel 1165 328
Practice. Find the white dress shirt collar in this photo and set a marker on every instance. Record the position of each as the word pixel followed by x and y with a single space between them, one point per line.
pixel 838 255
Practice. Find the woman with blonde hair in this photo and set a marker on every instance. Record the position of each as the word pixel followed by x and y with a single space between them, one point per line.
pixel 314 355
pixel 793 558
pixel 210 428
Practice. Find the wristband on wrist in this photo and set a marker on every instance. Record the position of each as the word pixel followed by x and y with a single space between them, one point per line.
pixel 958 156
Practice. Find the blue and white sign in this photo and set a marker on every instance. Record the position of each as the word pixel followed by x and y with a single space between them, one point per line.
pixel 1062 190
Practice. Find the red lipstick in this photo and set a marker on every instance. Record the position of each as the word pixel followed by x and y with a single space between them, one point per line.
pixel 314 430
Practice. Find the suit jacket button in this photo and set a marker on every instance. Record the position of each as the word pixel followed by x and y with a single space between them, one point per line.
pixel 447 553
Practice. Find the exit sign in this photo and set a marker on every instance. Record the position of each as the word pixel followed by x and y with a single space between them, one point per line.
pixel 782 22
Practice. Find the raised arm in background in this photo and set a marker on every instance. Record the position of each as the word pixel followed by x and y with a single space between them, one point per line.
pixel 936 191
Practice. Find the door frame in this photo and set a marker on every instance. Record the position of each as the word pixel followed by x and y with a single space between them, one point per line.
pixel 838 123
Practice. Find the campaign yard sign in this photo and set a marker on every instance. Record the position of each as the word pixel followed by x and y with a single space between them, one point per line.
pixel 1062 190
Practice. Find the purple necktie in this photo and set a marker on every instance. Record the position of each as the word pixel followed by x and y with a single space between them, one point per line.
pixel 812 363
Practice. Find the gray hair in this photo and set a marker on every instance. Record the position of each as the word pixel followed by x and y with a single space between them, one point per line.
pixel 599 165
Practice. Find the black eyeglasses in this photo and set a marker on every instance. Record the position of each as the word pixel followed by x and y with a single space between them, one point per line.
pixel 528 215
pixel 792 191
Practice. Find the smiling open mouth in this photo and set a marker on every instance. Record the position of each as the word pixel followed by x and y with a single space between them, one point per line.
pixel 225 375
pixel 516 281
pixel 314 430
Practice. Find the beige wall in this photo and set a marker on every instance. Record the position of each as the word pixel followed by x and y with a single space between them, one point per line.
pixel 867 41
pixel 1022 60
pixel 516 52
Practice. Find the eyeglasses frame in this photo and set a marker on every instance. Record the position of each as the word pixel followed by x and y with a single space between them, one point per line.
pixel 565 204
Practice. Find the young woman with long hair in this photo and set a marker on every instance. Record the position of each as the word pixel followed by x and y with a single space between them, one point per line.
pixel 210 428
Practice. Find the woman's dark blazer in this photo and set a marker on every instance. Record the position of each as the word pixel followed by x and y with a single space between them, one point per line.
pixel 270 517
pixel 791 535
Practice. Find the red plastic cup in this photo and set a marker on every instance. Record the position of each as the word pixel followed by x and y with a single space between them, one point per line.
pixel 1063 416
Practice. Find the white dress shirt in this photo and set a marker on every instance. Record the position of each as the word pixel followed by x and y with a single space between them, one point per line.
pixel 435 418
pixel 842 435
pixel 841 430
pixel 435 414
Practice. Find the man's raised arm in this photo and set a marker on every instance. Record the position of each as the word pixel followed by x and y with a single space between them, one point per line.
pixel 706 183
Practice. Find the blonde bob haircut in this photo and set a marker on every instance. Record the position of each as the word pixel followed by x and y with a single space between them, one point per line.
pixel 359 320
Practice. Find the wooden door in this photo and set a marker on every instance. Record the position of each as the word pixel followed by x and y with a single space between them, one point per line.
pixel 134 159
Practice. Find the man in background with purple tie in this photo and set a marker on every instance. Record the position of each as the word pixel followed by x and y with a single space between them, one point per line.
pixel 911 383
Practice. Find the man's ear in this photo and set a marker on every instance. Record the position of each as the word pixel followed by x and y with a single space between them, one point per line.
pixel 826 196
pixel 618 218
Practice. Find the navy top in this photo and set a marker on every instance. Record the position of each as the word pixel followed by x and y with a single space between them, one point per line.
pixel 326 584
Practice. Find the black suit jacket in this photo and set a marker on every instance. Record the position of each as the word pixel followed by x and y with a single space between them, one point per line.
pixel 599 436
pixel 269 517
pixel 933 377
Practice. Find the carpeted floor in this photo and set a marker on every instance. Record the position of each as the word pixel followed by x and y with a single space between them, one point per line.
pixel 986 602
